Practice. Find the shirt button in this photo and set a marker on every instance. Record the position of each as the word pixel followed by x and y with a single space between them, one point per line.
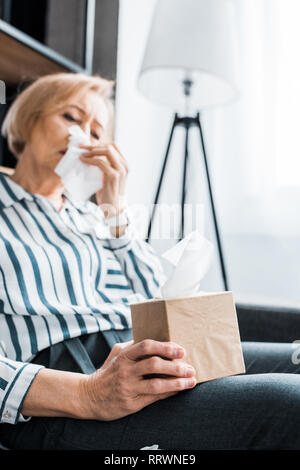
pixel 7 415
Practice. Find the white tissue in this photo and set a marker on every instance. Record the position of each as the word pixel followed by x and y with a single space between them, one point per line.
pixel 79 179
pixel 191 257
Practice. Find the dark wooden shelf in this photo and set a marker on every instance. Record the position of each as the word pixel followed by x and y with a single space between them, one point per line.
pixel 23 58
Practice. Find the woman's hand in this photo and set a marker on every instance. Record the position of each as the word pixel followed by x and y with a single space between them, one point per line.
pixel 119 387
pixel 114 169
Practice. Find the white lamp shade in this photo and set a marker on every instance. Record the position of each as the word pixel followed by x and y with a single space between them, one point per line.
pixel 197 37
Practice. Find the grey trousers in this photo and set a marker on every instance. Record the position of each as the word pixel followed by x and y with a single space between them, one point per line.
pixel 256 410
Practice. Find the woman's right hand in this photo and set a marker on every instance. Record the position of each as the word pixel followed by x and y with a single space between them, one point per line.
pixel 119 387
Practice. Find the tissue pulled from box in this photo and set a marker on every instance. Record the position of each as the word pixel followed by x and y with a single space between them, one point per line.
pixel 79 179
pixel 191 258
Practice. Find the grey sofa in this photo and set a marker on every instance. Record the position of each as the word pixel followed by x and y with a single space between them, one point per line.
pixel 268 324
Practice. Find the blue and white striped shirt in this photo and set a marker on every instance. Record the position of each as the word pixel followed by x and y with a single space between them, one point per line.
pixel 62 275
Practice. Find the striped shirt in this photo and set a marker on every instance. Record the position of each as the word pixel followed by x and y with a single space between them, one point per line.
pixel 62 275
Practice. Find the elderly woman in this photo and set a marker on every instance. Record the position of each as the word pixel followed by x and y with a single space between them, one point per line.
pixel 70 375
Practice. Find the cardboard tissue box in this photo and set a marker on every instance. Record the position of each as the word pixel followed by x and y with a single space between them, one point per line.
pixel 205 324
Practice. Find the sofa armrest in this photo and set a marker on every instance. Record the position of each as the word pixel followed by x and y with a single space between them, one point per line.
pixel 268 324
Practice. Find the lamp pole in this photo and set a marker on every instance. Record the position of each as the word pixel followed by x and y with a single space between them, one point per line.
pixel 188 122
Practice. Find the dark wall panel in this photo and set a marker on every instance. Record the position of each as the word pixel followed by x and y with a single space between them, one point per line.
pixel 106 38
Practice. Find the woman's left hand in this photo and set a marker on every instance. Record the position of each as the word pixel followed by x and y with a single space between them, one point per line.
pixel 114 169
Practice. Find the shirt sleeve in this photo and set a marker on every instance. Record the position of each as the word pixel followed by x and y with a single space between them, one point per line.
pixel 141 264
pixel 15 380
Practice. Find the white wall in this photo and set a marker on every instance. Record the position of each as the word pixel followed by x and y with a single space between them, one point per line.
pixel 140 124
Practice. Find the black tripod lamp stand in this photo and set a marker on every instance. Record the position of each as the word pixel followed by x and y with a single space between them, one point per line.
pixel 189 122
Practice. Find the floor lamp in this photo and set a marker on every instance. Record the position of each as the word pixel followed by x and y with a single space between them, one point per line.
pixel 190 64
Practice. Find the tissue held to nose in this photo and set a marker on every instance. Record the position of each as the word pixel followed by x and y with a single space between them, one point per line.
pixel 80 180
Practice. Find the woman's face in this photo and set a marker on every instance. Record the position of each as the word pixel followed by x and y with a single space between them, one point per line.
pixel 50 136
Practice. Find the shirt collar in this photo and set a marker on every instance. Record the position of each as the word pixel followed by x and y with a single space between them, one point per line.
pixel 11 192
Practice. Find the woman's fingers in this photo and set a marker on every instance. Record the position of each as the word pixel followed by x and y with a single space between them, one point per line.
pixel 158 386
pixel 94 160
pixel 111 152
pixel 150 347
pixel 157 365
pixel 106 148
pixel 115 169
pixel 102 163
